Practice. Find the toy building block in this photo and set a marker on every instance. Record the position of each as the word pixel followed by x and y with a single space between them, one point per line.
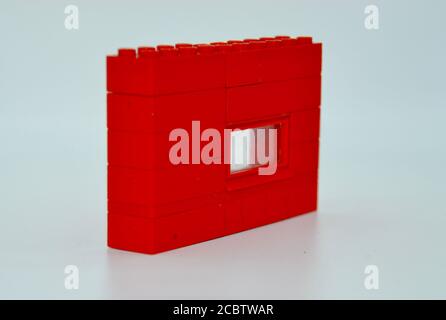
pixel 154 205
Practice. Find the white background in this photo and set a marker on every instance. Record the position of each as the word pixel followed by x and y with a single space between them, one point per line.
pixel 382 174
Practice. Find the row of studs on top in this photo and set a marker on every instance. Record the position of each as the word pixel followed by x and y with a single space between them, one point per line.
pixel 221 47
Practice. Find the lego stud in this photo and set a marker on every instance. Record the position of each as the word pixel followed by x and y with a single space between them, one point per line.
pixel 205 48
pixel 186 50
pixel 166 50
pixel 274 43
pixel 289 42
pixel 237 46
pixel 257 44
pixel 146 51
pixel 304 40
pixel 125 52
pixel 221 47
pixel 183 45
pixel 164 47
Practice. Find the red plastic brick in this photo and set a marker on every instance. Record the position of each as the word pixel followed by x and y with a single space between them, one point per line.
pixel 153 205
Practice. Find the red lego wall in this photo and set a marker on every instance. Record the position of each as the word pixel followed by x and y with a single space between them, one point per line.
pixel 155 206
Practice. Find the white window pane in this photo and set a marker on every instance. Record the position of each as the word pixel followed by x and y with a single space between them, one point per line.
pixel 242 149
